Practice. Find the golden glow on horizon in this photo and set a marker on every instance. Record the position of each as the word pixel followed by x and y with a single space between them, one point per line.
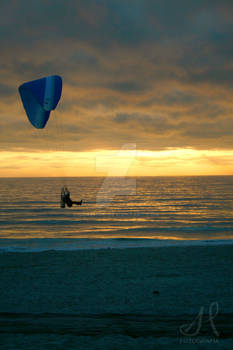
pixel 117 163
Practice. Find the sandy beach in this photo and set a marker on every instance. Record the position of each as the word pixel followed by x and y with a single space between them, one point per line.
pixel 118 298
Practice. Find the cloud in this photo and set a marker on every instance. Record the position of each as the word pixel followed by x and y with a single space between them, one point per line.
pixel 157 73
pixel 6 90
pixel 128 87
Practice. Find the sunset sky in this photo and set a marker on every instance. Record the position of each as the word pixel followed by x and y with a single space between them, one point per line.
pixel 147 87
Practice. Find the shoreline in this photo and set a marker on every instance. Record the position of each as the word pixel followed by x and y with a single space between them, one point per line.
pixel 76 244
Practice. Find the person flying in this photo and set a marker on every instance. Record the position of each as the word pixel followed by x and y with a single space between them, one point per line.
pixel 66 200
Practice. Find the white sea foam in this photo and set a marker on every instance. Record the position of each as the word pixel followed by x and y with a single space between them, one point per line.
pixel 43 244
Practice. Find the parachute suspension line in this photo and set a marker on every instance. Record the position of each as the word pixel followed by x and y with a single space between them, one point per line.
pixel 59 138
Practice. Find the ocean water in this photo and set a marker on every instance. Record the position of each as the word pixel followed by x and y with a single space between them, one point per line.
pixel 124 211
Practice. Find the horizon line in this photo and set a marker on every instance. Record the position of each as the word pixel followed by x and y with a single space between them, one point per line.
pixel 102 176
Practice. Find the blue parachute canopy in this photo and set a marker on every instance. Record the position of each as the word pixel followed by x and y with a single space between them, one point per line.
pixel 39 97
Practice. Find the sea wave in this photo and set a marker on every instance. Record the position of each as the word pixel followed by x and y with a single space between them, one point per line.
pixel 67 244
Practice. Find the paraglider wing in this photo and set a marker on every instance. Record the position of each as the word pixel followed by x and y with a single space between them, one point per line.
pixel 39 97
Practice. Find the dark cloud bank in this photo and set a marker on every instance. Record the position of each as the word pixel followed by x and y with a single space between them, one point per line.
pixel 157 73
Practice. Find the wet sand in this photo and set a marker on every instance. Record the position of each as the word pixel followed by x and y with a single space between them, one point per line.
pixel 118 298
